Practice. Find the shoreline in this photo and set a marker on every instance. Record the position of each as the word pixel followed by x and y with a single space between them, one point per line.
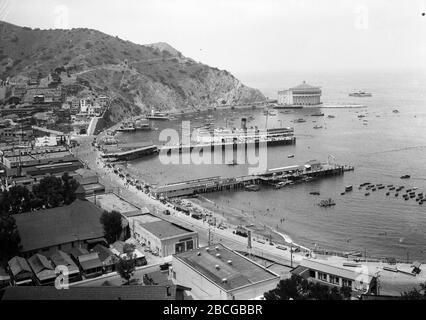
pixel 227 215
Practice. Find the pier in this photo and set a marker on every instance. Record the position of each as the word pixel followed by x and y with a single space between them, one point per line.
pixel 224 145
pixel 307 172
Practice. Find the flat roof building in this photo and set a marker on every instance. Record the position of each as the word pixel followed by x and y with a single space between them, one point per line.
pixel 162 237
pixel 111 202
pixel 357 278
pixel 60 228
pixel 218 273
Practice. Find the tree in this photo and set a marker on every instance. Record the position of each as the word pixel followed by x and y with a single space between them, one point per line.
pixel 52 192
pixel 18 199
pixel 70 185
pixel 415 294
pixel 9 238
pixel 297 288
pixel 49 191
pixel 111 222
pixel 125 268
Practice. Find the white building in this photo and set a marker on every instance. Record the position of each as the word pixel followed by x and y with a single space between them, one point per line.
pixel 162 237
pixel 47 141
pixel 84 105
pixel 358 278
pixel 303 95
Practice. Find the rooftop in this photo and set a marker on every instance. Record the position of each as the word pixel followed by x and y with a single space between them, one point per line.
pixel 304 86
pixel 42 267
pixel 93 293
pixel 238 270
pixel 47 228
pixel 158 227
pixel 344 272
pixel 60 258
pixel 90 261
pixel 18 265
pixel 111 202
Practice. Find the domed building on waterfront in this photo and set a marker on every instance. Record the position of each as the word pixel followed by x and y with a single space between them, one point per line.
pixel 303 95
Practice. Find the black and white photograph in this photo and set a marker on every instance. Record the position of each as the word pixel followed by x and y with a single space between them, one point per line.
pixel 206 150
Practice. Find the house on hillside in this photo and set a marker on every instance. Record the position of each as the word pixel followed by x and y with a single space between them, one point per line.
pixel 20 272
pixel 107 257
pixel 89 263
pixel 61 259
pixel 43 269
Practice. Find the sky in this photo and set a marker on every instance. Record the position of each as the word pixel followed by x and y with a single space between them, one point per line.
pixel 251 36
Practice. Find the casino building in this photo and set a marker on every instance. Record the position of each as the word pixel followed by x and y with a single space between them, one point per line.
pixel 303 95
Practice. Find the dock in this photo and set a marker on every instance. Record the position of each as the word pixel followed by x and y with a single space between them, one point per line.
pixel 294 174
pixel 224 145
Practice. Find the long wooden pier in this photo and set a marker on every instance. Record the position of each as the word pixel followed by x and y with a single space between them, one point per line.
pixel 293 174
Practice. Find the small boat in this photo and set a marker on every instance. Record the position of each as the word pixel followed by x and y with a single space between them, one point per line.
pixel 281 184
pixel 300 120
pixel 374 189
pixel 387 193
pixel 406 176
pixel 395 111
pixel 348 188
pixel 290 156
pixel 317 114
pixel 415 188
pixel 318 127
pixel 381 187
pixel 233 163
pixel 396 194
pixel 367 194
pixel 392 188
pixel 252 187
pixel 360 94
pixel 327 203
pixel 315 193
pixel 330 116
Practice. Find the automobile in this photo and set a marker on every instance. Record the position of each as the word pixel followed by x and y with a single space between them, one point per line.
pixel 166 212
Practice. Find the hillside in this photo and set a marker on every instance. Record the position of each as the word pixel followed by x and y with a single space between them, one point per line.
pixel 138 77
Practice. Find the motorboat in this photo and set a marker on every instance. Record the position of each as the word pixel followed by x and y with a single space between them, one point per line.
pixel 360 94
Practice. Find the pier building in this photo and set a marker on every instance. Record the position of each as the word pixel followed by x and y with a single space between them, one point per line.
pixel 303 95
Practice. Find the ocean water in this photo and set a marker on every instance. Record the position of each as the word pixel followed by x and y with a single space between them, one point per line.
pixel 388 146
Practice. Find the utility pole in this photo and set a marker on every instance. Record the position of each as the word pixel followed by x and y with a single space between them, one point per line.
pixel 291 254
